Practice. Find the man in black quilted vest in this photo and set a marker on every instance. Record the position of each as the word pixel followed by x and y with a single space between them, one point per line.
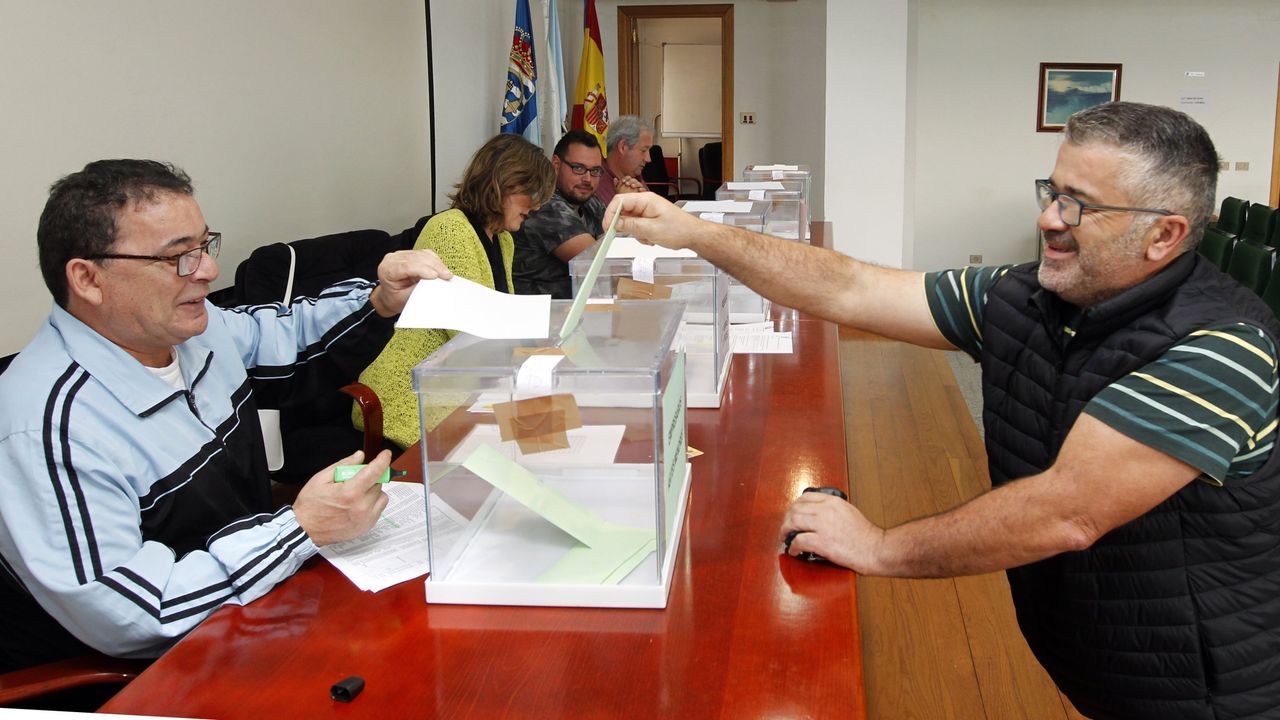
pixel 1130 394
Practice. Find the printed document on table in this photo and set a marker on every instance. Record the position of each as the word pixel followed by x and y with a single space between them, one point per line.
pixel 460 304
pixel 751 328
pixel 395 549
pixel 589 445
pixel 762 342
pixel 720 206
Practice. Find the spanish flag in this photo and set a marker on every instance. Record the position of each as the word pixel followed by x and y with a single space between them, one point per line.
pixel 590 111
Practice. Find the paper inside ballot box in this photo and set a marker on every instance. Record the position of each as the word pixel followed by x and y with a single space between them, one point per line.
pixel 538 424
pixel 629 289
pixel 640 324
pixel 520 352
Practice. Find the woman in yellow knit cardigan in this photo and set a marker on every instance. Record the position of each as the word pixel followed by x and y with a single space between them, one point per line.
pixel 507 179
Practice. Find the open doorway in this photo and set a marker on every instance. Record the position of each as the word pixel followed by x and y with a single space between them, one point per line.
pixel 642 31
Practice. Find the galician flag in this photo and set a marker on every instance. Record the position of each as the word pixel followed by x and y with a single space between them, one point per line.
pixel 520 106
pixel 558 106
pixel 590 110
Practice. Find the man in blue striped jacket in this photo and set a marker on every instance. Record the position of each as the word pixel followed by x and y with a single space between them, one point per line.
pixel 136 499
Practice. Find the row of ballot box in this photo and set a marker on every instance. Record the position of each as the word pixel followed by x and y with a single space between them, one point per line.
pixel 556 469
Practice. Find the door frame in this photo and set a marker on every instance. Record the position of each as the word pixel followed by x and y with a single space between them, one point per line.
pixel 629 62
pixel 1275 153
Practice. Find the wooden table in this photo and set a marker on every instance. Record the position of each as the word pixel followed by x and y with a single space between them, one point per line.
pixel 748 632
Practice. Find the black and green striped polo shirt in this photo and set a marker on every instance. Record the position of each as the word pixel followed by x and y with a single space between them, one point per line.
pixel 1209 401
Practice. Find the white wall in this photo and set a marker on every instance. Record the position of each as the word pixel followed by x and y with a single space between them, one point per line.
pixel 294 117
pixel 975 103
pixel 471 44
pixel 867 73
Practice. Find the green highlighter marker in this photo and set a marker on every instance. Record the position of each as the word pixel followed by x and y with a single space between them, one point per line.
pixel 343 473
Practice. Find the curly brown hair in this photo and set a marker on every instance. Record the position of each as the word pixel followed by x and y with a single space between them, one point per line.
pixel 505 165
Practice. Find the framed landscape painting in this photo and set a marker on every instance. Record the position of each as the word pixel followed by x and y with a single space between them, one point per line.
pixel 1068 88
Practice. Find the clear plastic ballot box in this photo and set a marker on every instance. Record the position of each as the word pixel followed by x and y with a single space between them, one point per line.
pixel 783 173
pixel 745 213
pixel 745 305
pixel 755 173
pixel 633 271
pixel 557 471
pixel 785 206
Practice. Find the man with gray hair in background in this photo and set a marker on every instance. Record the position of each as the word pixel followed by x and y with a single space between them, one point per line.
pixel 628 143
pixel 1130 407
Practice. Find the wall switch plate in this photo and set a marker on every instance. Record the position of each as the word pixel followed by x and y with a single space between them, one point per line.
pixel 1224 165
pixel 975 259
pixel 747 118
pixel 1242 165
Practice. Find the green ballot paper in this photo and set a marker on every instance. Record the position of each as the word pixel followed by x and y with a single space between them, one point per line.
pixel 605 553
pixel 580 301
pixel 343 473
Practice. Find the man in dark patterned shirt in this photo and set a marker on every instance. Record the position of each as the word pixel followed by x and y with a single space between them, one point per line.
pixel 566 225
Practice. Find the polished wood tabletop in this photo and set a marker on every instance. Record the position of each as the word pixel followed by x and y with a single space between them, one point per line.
pixel 748 632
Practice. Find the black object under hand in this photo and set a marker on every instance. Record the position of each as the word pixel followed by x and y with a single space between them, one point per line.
pixel 812 556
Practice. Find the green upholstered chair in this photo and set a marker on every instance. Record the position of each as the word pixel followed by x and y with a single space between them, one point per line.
pixel 1271 296
pixel 1251 265
pixel 1231 216
pixel 1258 220
pixel 1273 240
pixel 1216 247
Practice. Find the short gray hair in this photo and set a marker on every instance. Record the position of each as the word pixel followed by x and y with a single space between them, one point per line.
pixel 1174 164
pixel 626 128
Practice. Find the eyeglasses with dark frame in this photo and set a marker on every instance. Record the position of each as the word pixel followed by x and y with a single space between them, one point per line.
pixel 580 169
pixel 1071 210
pixel 185 262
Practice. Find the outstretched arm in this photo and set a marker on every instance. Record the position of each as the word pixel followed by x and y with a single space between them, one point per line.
pixel 813 280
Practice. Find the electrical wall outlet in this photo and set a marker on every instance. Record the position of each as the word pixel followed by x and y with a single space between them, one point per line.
pixel 1224 165
pixel 1242 166
pixel 975 259
pixel 747 118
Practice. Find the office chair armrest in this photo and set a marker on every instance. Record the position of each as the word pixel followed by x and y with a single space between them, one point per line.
pixel 674 185
pixel 53 677
pixel 684 178
pixel 371 411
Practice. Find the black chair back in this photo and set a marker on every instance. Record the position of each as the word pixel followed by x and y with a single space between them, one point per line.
pixel 1216 246
pixel 655 174
pixel 660 180
pixel 709 161
pixel 1251 265
pixel 315 424
pixel 1257 224
pixel 1231 216
pixel 321 262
